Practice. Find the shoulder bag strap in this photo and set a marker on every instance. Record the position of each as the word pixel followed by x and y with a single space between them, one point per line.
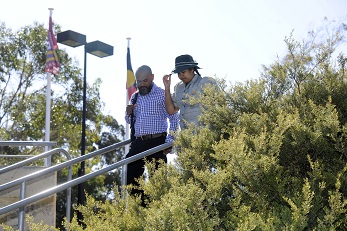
pixel 132 118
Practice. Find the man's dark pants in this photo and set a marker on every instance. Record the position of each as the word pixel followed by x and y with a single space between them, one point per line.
pixel 136 168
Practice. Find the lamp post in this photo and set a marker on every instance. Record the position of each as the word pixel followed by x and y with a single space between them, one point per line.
pixel 101 50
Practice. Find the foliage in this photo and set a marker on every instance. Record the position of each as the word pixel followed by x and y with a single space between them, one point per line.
pixel 22 108
pixel 272 155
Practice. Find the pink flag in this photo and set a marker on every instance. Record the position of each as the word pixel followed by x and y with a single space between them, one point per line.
pixel 52 63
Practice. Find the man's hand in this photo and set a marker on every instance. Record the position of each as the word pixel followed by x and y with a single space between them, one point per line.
pixel 167 151
pixel 130 109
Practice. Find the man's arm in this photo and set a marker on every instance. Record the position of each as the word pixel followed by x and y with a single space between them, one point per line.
pixel 129 109
pixel 173 119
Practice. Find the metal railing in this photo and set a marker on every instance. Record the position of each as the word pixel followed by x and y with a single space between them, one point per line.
pixel 28 143
pixel 22 203
pixel 34 158
pixel 46 144
pixel 22 181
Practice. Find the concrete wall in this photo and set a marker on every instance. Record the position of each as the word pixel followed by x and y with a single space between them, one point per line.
pixel 42 211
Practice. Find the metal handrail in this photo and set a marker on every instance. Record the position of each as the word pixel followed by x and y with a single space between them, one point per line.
pixel 47 144
pixel 69 163
pixel 83 178
pixel 34 158
pixel 63 165
pixel 15 156
pixel 28 143
pixel 23 180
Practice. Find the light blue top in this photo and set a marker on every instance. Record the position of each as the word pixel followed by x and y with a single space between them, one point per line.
pixel 189 113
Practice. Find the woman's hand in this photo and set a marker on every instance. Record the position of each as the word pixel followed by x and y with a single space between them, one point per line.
pixel 167 81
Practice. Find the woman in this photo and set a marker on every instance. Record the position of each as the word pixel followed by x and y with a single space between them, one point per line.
pixel 191 85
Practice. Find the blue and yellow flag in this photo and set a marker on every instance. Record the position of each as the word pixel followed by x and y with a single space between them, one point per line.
pixel 131 82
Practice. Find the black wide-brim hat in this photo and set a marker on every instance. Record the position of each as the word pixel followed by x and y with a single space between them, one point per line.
pixel 183 62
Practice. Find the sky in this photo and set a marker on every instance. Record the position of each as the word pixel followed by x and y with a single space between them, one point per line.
pixel 229 39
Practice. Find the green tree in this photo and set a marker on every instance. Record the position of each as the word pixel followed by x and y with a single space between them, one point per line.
pixel 272 156
pixel 23 100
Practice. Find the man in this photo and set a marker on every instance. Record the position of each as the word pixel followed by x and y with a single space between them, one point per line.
pixel 150 124
pixel 191 85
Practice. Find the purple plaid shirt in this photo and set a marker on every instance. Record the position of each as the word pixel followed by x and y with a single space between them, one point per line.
pixel 151 116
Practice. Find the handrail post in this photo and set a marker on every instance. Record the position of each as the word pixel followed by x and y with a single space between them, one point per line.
pixel 68 195
pixel 21 213
pixel 48 159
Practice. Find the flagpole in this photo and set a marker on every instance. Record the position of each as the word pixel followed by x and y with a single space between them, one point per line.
pixel 127 135
pixel 48 109
pixel 48 117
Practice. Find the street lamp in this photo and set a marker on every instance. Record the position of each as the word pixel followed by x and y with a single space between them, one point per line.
pixel 101 50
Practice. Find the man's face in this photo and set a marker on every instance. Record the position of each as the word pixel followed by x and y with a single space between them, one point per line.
pixel 144 83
